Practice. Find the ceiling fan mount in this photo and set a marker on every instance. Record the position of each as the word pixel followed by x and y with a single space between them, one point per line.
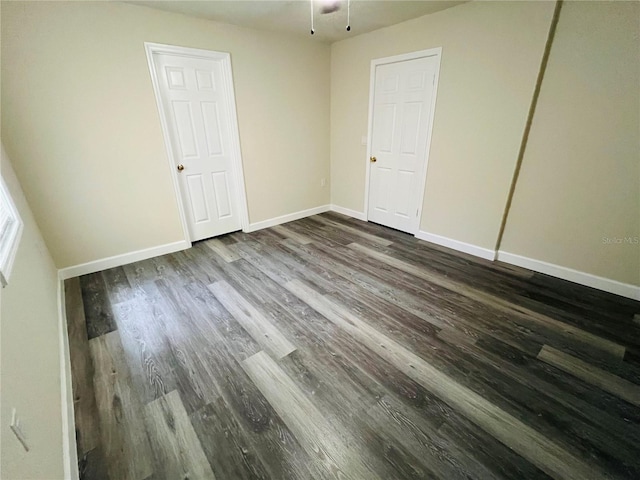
pixel 329 6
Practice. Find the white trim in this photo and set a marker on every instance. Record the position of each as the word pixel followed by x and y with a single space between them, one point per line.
pixel 232 120
pixel 236 152
pixel 119 260
pixel 372 76
pixel 469 248
pixel 576 276
pixel 69 447
pixel 349 213
pixel 434 97
pixel 167 142
pixel 290 217
pixel 10 239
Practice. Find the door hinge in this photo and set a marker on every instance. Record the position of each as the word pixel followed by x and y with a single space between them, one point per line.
pixel 417 212
pixel 433 80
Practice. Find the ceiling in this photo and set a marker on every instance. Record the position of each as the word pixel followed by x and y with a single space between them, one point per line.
pixel 295 16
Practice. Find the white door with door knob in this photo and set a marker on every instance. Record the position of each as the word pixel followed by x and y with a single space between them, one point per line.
pixel 401 117
pixel 196 102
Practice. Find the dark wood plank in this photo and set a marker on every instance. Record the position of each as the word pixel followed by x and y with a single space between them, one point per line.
pixel 433 452
pixel 84 400
pixel 92 465
pixel 385 357
pixel 230 450
pixel 124 437
pixel 97 308
pixel 540 450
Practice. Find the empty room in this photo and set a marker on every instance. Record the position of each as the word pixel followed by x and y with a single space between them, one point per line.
pixel 320 239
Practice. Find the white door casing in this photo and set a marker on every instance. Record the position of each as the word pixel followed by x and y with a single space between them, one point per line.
pixel 194 93
pixel 402 103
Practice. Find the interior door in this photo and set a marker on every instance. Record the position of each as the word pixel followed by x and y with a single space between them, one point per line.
pixel 402 105
pixel 196 110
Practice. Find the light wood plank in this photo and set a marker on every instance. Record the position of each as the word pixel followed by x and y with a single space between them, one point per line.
pixel 222 250
pixel 455 337
pixel 609 382
pixel 565 329
pixel 410 430
pixel 125 442
pixel 535 447
pixel 353 231
pixel 117 284
pixel 316 435
pixel 254 322
pixel 142 341
pixel 188 337
pixel 177 450
pixel 288 233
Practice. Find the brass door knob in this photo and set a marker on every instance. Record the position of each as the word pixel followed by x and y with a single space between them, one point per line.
pixel 180 167
pixel 373 159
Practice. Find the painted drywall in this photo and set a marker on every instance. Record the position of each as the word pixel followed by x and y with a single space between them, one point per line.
pixel 577 199
pixel 82 124
pixel 490 61
pixel 29 353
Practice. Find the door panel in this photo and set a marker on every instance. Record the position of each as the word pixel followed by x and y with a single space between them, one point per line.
pixel 410 125
pixel 197 197
pixel 385 125
pixel 384 182
pixel 221 189
pixel 205 80
pixel 400 128
pixel 184 124
pixel 212 128
pixel 197 113
pixel 403 204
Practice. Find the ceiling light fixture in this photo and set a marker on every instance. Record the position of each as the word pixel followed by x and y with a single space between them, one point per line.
pixel 331 6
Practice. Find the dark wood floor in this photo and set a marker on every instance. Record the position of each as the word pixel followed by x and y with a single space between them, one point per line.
pixel 334 348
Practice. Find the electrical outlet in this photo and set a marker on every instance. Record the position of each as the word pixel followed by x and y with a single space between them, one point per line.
pixel 323 182
pixel 16 428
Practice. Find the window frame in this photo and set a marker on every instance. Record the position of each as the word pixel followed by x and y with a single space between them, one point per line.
pixel 10 237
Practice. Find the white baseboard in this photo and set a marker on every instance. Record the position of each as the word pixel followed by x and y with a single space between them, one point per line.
pixel 290 217
pixel 475 250
pixel 576 276
pixel 119 260
pixel 349 213
pixel 69 449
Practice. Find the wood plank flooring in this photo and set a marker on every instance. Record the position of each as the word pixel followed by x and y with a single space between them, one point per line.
pixel 330 348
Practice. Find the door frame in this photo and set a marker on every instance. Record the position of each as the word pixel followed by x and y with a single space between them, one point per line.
pixel 232 119
pixel 432 52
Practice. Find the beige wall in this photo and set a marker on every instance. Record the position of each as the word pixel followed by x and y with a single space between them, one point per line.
pixel 81 124
pixel 580 177
pixel 490 60
pixel 29 353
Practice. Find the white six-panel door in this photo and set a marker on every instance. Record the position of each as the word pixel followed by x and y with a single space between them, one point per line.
pixel 401 116
pixel 196 111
